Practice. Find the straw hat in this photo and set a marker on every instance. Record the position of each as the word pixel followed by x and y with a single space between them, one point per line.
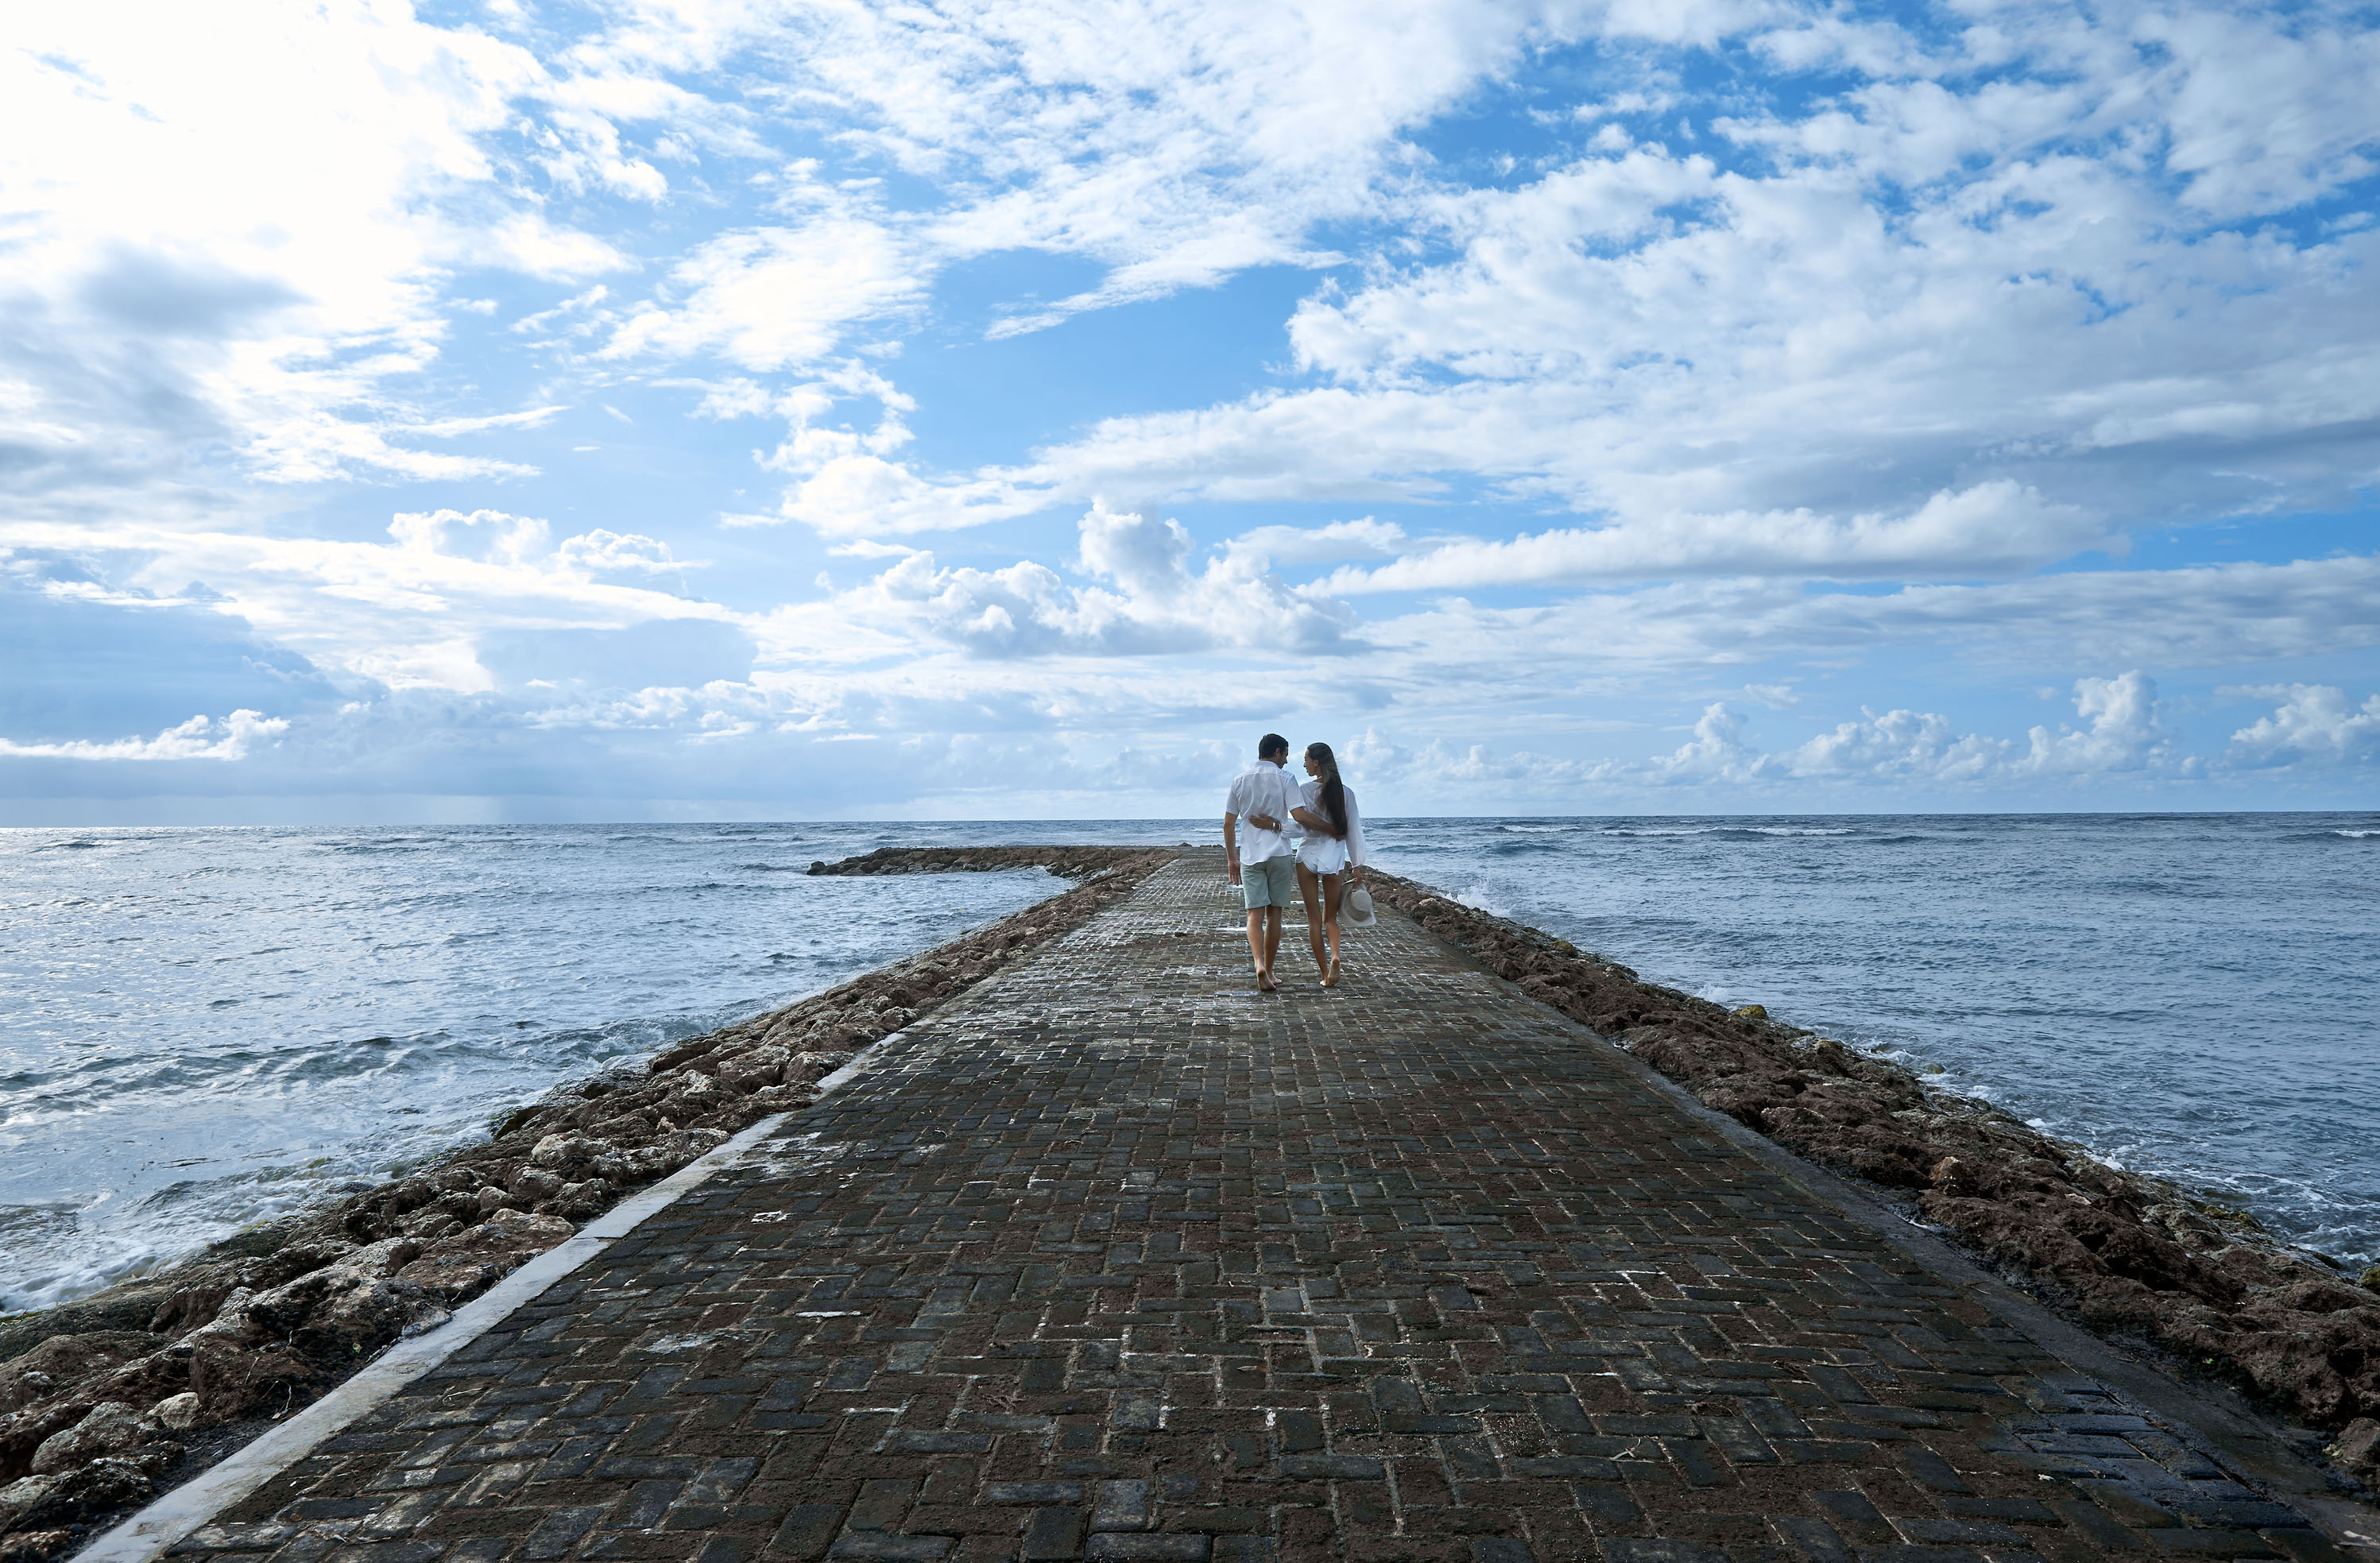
pixel 1356 912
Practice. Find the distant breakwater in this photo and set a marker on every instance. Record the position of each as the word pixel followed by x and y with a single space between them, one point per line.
pixel 108 1400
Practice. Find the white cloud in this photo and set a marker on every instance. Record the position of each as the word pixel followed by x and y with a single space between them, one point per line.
pixel 448 428
pixel 2124 737
pixel 2208 616
pixel 1364 538
pixel 863 495
pixel 2264 117
pixel 2316 724
pixel 202 737
pixel 1992 528
pixel 408 613
pixel 2126 732
pixel 1964 280
pixel 773 298
pixel 1154 604
pixel 161 289
pixel 602 550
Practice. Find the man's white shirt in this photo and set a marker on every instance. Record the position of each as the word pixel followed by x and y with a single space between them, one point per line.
pixel 1263 788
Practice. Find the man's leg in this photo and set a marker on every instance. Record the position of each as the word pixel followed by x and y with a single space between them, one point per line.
pixel 1272 938
pixel 1256 941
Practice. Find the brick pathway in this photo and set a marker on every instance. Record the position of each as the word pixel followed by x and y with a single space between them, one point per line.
pixel 1114 1258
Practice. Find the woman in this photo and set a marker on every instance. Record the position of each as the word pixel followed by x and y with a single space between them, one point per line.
pixel 1333 849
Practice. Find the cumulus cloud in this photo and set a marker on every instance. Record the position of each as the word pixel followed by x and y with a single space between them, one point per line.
pixel 1153 603
pixel 603 550
pixel 202 737
pixel 2316 724
pixel 2122 735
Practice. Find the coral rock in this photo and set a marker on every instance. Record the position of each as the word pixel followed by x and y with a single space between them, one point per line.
pixel 752 1071
pixel 18 1499
pixel 176 1413
pixel 231 1379
pixel 2358 1448
pixel 67 1359
pixel 469 1262
pixel 557 1151
pixel 110 1428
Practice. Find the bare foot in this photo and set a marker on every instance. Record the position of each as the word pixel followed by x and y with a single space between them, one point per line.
pixel 1265 983
pixel 1330 978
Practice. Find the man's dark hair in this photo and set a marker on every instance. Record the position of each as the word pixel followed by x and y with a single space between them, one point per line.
pixel 1271 743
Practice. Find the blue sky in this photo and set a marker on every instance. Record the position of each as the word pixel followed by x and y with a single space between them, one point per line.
pixel 782 409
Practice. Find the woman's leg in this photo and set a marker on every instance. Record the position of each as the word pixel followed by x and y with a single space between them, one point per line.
pixel 1330 923
pixel 1307 888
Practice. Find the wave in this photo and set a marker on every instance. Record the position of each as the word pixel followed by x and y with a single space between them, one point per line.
pixel 1732 830
pixel 774 868
pixel 2356 835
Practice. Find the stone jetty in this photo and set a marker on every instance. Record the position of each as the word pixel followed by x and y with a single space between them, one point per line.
pixel 1112 1257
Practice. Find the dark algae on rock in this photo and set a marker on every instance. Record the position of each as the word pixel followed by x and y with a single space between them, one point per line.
pixel 2130 1252
pixel 99 1397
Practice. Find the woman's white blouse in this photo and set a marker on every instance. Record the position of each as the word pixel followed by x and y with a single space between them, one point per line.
pixel 1312 793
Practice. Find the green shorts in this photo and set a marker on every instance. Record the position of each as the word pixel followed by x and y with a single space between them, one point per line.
pixel 1272 882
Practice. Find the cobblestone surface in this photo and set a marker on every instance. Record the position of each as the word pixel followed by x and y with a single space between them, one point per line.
pixel 1115 1259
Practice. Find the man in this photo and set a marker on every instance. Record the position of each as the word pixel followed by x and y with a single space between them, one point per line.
pixel 1263 795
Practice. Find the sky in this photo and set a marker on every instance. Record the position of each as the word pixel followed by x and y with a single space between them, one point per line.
pixel 664 409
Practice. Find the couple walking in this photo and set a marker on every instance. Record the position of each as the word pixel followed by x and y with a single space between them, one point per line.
pixel 1273 805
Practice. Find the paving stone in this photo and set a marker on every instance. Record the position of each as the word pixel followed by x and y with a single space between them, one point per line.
pixel 1114 1257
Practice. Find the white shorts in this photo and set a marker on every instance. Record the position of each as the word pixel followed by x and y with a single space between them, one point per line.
pixel 1323 855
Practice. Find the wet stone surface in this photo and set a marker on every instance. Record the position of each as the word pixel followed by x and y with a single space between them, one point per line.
pixel 1114 1258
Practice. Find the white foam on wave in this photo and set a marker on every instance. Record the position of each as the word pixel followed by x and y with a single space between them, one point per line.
pixel 1727 830
pixel 2355 835
pixel 1479 900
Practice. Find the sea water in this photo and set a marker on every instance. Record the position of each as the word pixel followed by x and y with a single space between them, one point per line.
pixel 204 1028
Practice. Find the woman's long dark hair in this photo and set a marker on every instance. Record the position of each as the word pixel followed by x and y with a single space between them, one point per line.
pixel 1334 796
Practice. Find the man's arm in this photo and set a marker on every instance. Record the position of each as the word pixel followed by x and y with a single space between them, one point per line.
pixel 1231 846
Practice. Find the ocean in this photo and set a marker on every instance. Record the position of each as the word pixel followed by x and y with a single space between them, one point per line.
pixel 204 1028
